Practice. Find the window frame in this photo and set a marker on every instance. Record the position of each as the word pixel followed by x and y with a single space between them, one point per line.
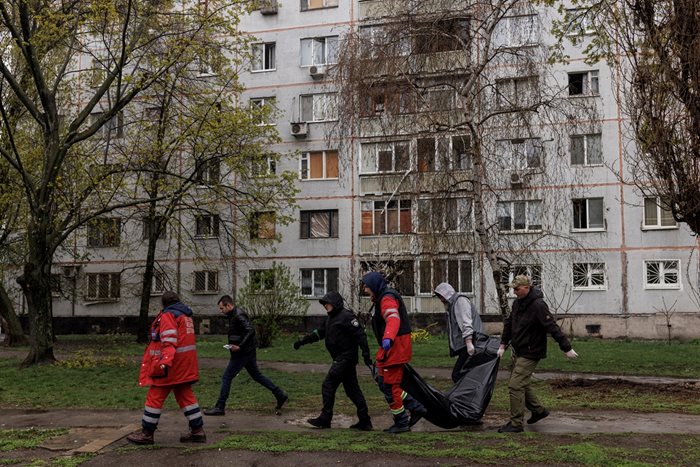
pixel 513 37
pixel 527 213
pixel 370 152
pixel 659 216
pixel 158 280
pixel 304 5
pixel 263 47
pixel 258 104
pixel 327 283
pixel 266 274
pixel 662 286
pixel 99 236
pixel 147 226
pixel 533 271
pixel 113 286
pixel 586 145
pixel 588 88
pixel 305 165
pixel 208 172
pixel 446 276
pixel 602 228
pixel 330 52
pixel 377 215
pixel 207 225
pixel 256 219
pixel 591 268
pixel 208 274
pixel 463 209
pixel 332 220
pixel 516 150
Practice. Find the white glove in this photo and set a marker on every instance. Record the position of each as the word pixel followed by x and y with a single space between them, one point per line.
pixel 470 346
pixel 501 350
pixel 571 354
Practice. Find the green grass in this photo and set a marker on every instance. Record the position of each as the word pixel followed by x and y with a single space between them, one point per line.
pixel 27 438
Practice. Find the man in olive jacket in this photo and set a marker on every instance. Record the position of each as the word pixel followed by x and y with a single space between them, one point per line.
pixel 526 329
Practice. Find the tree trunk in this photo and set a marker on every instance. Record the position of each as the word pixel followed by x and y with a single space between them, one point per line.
pixel 142 332
pixel 35 283
pixel 14 335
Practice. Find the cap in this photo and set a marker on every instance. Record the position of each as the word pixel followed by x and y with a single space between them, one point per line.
pixel 520 281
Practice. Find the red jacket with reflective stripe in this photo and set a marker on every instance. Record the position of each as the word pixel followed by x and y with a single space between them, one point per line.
pixel 173 345
pixel 400 351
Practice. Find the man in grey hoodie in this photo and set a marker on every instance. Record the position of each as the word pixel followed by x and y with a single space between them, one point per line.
pixel 463 322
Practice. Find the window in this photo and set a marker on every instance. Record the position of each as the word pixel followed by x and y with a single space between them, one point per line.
pixel 436 98
pixel 261 280
pixel 657 214
pixel 263 167
pixel 662 274
pixel 399 274
pixel 436 215
pixel 533 271
pixel 461 155
pixel 318 282
pixel 319 224
pixel 104 232
pixel 589 276
pixel 112 128
pixel 586 149
pixel 386 217
pixel 583 83
pixel 440 36
pixel 384 157
pixel 520 216
pixel 318 107
pixel 516 92
pixel 427 156
pixel 206 282
pixel 263 57
pixel 263 225
pixel 317 165
pixel 588 214
pixel 208 172
pixel 207 225
pixel 393 98
pixel 107 177
pixel 319 51
pixel 520 153
pixel 158 283
pixel 579 22
pixel 55 281
pixel 263 110
pixel 517 31
pixel 102 286
pixel 150 224
pixel 377 42
pixel 316 4
pixel 457 272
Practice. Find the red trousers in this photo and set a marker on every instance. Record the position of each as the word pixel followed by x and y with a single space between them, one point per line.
pixel 155 399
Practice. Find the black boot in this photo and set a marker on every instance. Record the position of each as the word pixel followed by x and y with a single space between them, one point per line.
pixel 196 435
pixel 363 425
pixel 142 437
pixel 215 411
pixel 281 400
pixel 319 422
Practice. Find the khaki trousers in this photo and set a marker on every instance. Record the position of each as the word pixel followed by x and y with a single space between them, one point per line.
pixel 521 394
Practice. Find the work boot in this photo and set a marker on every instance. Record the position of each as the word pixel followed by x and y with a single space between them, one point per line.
pixel 142 437
pixel 509 428
pixel 363 425
pixel 196 435
pixel 281 400
pixel 536 417
pixel 215 411
pixel 319 422
pixel 395 428
pixel 417 414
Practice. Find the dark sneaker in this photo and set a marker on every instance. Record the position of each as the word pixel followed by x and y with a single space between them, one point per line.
pixel 536 417
pixel 508 428
pixel 416 415
pixel 281 400
pixel 194 436
pixel 363 425
pixel 397 428
pixel 142 437
pixel 215 411
pixel 319 422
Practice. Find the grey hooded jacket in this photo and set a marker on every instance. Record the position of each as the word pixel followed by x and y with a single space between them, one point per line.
pixel 463 318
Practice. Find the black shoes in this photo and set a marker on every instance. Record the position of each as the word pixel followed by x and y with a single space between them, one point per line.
pixel 363 425
pixel 416 415
pixel 215 411
pixel 536 417
pixel 319 422
pixel 508 428
pixel 397 429
pixel 194 436
pixel 281 400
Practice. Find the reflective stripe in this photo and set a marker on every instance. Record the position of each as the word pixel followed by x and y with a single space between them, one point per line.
pixel 168 332
pixel 186 348
pixel 190 407
pixel 403 395
pixel 194 416
pixel 397 411
pixel 152 410
pixel 170 339
pixel 391 314
pixel 153 420
pixel 154 352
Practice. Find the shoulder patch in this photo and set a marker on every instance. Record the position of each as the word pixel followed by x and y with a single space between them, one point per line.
pixel 355 322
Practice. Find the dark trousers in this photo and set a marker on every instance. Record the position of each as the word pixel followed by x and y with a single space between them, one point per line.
pixel 458 370
pixel 248 361
pixel 343 372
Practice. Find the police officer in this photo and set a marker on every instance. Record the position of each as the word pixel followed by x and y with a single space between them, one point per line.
pixel 343 334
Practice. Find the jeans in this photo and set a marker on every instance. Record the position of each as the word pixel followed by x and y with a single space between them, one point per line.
pixel 248 361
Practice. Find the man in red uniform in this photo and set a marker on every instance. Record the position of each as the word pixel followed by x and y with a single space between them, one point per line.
pixel 170 364
pixel 393 332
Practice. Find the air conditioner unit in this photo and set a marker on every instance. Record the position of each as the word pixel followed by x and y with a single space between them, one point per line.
pixel 299 129
pixel 317 71
pixel 516 179
pixel 268 7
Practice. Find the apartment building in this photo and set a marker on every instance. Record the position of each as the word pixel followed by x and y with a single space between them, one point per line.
pixel 394 184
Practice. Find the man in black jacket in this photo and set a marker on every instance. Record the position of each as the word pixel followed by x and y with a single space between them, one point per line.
pixel 242 345
pixel 343 334
pixel 526 329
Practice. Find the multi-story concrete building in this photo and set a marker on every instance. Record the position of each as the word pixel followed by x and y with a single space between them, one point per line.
pixel 402 196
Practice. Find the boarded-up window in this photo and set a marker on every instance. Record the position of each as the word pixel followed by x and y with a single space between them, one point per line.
pixel 319 224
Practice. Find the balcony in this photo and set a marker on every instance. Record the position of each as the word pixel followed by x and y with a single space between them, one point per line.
pixel 414 244
pixel 376 9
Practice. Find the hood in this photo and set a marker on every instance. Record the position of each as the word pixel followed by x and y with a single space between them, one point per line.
pixel 334 298
pixel 531 296
pixel 445 290
pixel 179 307
pixel 375 281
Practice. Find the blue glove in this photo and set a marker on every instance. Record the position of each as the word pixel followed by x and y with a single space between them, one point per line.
pixel 386 344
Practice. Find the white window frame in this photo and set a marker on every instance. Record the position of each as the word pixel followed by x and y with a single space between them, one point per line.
pixel 324 107
pixel 313 276
pixel 533 208
pixel 586 21
pixel 462 213
pixel 464 161
pixel 258 103
pixel 664 269
pixel 158 283
pixel 305 165
pixel 588 144
pixel 517 31
pixel 516 92
pixel 304 5
pixel 659 215
pixel 209 275
pixel 102 228
pixel 433 282
pixel 253 272
pixel 591 83
pixel 211 224
pixel 374 209
pixel 208 173
pixel 589 272
pixel 113 286
pixel 329 50
pixel 518 152
pixel 369 156
pixel 533 271
pixel 112 128
pixel 588 228
pixel 266 168
pixel 261 52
